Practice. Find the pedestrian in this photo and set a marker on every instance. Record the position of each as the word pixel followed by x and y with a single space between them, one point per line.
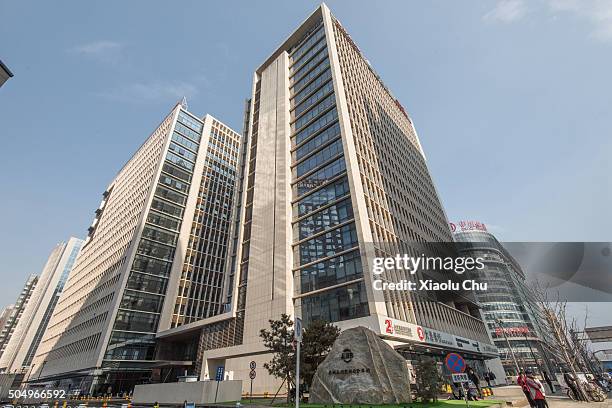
pixel 548 381
pixel 492 376
pixel 474 378
pixel 536 389
pixel 487 379
pixel 522 381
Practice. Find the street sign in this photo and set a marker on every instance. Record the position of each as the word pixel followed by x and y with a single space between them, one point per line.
pixel 298 338
pixel 252 374
pixel 460 378
pixel 252 365
pixel 455 363
pixel 220 372
pixel 298 329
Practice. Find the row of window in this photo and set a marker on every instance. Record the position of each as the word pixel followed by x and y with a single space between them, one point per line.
pixel 321 176
pixel 321 197
pixel 317 125
pixel 302 96
pixel 328 244
pixel 323 65
pixel 317 141
pixel 308 54
pixel 300 49
pixel 340 269
pixel 321 107
pixel 320 157
pixel 322 54
pixel 343 303
pixel 326 218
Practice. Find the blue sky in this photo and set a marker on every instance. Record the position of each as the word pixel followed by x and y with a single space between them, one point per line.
pixel 512 101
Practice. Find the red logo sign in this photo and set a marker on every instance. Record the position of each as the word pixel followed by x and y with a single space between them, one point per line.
pixel 468 226
pixel 421 333
pixel 388 326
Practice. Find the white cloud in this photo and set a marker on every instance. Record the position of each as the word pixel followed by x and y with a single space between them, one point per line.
pixel 104 51
pixel 98 47
pixel 507 11
pixel 598 13
pixel 154 91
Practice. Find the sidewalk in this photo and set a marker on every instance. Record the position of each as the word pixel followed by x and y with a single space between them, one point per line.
pixel 555 401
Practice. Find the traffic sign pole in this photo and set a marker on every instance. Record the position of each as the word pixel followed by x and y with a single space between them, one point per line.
pixel 298 338
pixel 456 365
pixel 252 375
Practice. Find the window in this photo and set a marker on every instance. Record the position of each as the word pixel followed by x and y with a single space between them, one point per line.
pixel 321 176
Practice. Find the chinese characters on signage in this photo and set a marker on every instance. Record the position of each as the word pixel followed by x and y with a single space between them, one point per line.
pixel 523 330
pixel 461 226
pixel 400 330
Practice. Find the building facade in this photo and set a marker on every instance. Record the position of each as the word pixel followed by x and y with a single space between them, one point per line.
pixel 514 320
pixel 153 258
pixel 12 320
pixel 26 338
pixel 5 73
pixel 6 314
pixel 333 174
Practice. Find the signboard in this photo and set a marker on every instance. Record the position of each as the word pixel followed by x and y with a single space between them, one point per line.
pixel 455 363
pixel 522 330
pixel 220 372
pixel 409 331
pixel 460 378
pixel 298 329
pixel 438 338
pixel 467 344
pixel 398 328
pixel 421 333
pixel 462 226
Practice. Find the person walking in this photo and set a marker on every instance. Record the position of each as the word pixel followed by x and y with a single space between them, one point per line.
pixel 522 381
pixel 536 389
pixel 491 376
pixel 474 378
pixel 487 379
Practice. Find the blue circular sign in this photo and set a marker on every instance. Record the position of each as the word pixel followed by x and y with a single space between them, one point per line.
pixel 455 363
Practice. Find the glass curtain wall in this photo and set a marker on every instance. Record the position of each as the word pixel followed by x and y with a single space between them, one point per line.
pixel 326 249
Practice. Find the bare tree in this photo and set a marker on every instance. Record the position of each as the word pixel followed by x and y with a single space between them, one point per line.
pixel 563 332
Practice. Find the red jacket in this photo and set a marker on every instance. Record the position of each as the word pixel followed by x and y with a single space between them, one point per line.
pixel 535 388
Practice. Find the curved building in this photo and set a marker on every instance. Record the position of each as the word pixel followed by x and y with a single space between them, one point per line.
pixel 513 318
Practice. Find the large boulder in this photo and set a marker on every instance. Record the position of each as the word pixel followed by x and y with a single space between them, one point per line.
pixel 361 369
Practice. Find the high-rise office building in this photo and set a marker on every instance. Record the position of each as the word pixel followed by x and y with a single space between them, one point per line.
pixel 515 321
pixel 334 171
pixel 24 342
pixel 13 319
pixel 154 256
